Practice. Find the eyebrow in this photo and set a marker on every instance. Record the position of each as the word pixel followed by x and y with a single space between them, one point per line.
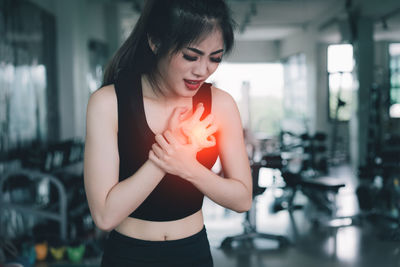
pixel 202 53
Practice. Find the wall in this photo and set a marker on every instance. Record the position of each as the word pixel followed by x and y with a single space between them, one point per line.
pixel 363 48
pixel 305 42
pixel 390 126
pixel 78 21
pixel 48 5
pixel 373 62
pixel 254 51
pixel 322 121
pixel 314 44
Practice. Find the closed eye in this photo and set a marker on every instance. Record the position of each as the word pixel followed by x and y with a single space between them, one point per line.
pixel 216 59
pixel 189 58
pixel 194 58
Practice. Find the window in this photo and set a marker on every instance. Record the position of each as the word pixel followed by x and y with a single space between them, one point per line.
pixel 295 87
pixel 340 81
pixel 257 89
pixel 28 91
pixel 394 68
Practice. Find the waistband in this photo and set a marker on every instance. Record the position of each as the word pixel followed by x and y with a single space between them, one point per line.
pixel 114 235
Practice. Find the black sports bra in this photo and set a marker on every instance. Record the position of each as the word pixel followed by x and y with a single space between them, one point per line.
pixel 173 198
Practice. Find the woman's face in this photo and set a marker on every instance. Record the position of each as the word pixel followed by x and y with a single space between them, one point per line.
pixel 183 73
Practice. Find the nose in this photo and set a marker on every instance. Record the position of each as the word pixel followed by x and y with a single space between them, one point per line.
pixel 201 69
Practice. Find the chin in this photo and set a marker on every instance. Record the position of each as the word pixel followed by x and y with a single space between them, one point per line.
pixel 184 92
pixel 190 93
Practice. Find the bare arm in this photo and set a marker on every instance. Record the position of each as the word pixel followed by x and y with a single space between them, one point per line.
pixel 235 190
pixel 111 201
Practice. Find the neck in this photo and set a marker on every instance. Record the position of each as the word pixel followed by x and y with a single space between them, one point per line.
pixel 160 95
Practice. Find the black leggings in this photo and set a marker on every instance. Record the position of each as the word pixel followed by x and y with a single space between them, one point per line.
pixel 124 251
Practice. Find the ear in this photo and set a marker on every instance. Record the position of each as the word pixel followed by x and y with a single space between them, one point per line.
pixel 153 45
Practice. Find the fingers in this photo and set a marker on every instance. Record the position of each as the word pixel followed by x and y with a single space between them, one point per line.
pixel 207 121
pixel 210 141
pixel 188 135
pixel 157 150
pixel 201 132
pixel 211 130
pixel 182 138
pixel 185 115
pixel 199 111
pixel 155 159
pixel 177 116
pixel 167 142
pixel 162 143
pixel 171 138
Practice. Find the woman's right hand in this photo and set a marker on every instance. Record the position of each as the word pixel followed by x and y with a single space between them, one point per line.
pixel 175 123
pixel 189 129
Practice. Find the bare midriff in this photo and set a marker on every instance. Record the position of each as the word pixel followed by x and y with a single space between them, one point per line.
pixel 161 231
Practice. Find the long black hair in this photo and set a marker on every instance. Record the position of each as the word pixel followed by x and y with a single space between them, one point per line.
pixel 170 25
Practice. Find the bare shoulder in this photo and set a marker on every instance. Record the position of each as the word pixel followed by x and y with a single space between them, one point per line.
pixel 103 95
pixel 222 101
pixel 103 104
pixel 225 111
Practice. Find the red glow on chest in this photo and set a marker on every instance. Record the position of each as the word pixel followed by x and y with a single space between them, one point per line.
pixel 199 135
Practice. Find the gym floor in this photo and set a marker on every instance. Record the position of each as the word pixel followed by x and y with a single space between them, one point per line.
pixel 361 245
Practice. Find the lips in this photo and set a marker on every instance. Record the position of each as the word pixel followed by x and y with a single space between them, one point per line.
pixel 193 84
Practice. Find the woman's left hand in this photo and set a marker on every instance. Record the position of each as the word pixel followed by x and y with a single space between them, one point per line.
pixel 172 156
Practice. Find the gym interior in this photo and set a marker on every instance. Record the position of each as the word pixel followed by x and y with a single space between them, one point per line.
pixel 317 84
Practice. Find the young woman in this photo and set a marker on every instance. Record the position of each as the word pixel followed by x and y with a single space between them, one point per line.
pixel 155 129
